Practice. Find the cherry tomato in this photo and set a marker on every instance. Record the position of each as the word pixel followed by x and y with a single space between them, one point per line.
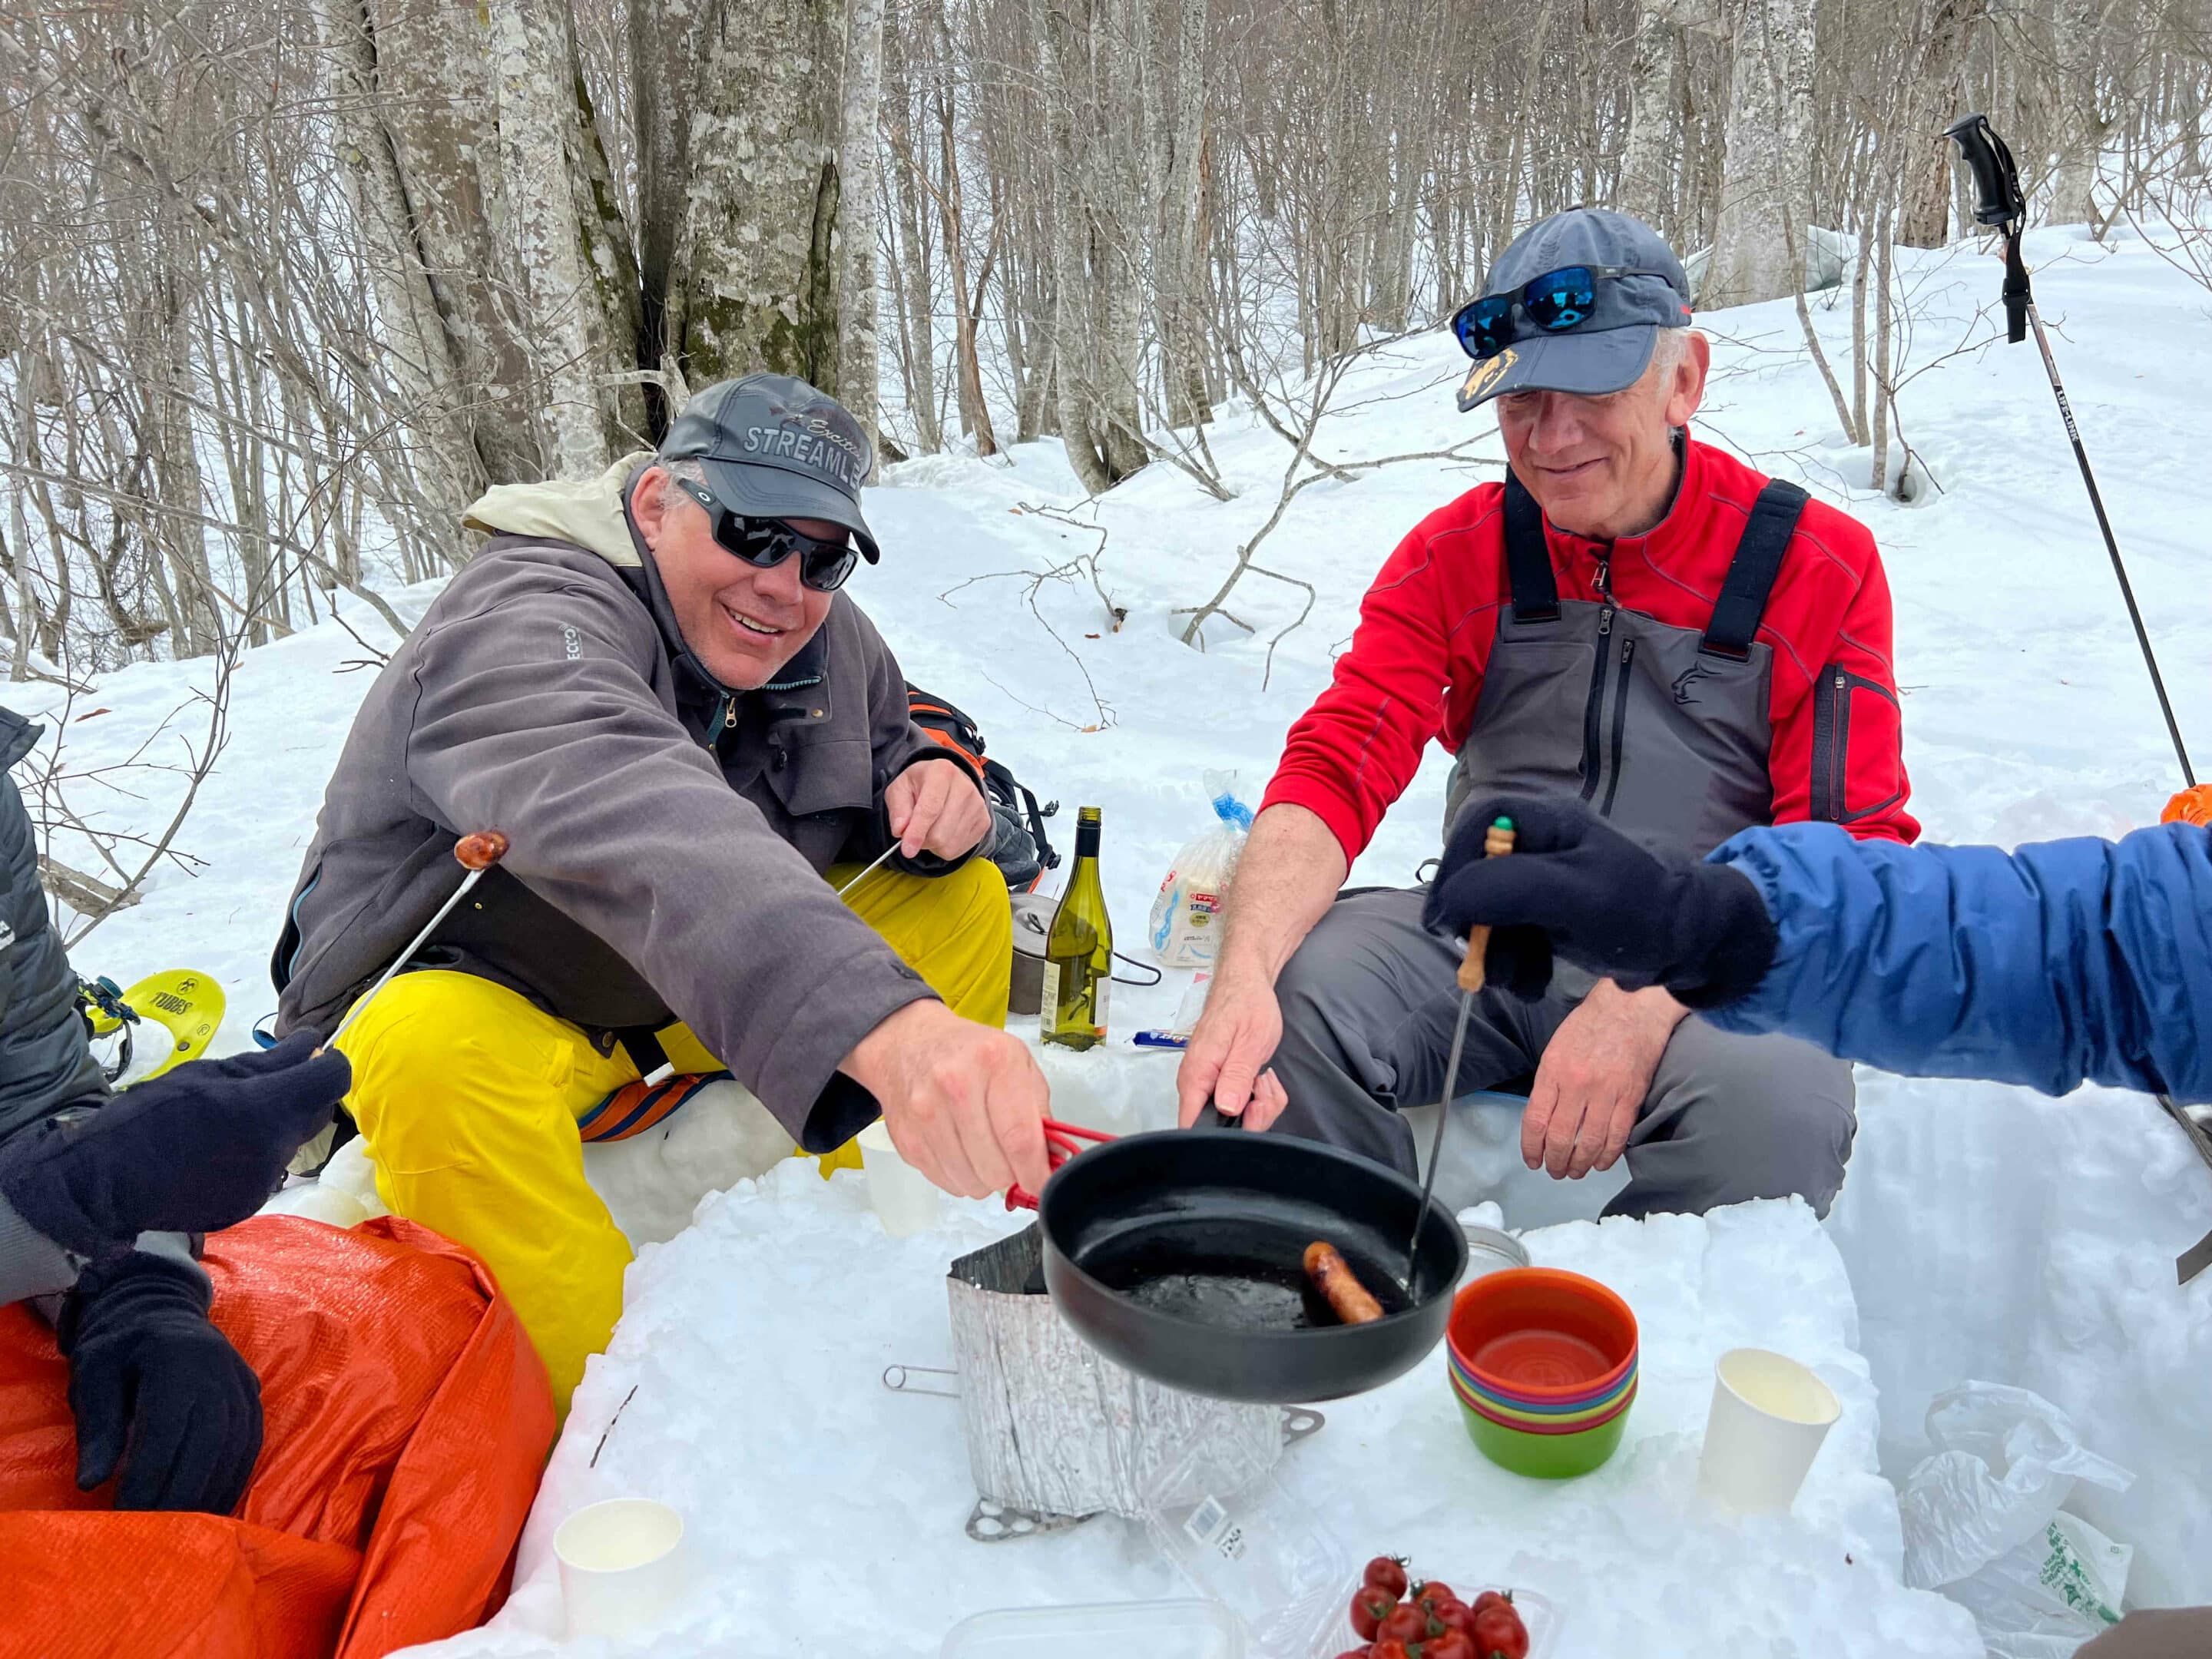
pixel 1387 1574
pixel 1455 1615
pixel 1498 1631
pixel 1369 1607
pixel 1436 1590
pixel 1491 1599
pixel 1408 1623
pixel 1452 1644
pixel 1387 1648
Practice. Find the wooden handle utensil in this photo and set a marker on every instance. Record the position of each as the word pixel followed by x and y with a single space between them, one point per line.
pixel 1496 842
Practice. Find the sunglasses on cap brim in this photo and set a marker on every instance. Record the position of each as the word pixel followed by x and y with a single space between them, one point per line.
pixel 764 544
pixel 1553 303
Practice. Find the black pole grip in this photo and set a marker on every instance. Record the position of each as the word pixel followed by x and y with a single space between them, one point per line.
pixel 1996 181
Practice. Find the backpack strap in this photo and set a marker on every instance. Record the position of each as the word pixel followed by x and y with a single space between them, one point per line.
pixel 1527 557
pixel 1757 561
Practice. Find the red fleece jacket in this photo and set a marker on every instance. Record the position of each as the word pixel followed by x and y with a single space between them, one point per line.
pixel 1415 667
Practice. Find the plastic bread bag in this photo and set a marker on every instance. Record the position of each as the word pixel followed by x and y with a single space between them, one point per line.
pixel 1186 921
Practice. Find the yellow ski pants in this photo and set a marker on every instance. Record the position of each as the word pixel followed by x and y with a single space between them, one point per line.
pixel 467 1096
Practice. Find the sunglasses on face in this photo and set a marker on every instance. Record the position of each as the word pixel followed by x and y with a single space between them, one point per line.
pixel 766 543
pixel 1554 302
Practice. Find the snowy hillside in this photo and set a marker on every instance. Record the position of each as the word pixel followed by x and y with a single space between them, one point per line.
pixel 1987 1232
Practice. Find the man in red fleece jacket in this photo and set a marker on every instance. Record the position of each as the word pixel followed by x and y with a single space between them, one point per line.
pixel 1634 618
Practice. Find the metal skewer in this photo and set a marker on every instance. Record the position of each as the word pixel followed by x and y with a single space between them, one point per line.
pixel 882 859
pixel 476 853
pixel 1496 843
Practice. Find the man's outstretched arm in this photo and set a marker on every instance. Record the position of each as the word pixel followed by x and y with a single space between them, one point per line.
pixel 1285 881
pixel 2062 963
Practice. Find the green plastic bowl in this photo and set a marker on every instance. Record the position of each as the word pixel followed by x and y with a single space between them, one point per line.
pixel 1543 1456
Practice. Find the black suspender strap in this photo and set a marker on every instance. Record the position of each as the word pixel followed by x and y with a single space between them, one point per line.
pixel 1528 558
pixel 642 1044
pixel 1751 574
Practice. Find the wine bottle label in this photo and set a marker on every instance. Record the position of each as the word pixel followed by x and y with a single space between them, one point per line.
pixel 1098 1004
pixel 1048 1002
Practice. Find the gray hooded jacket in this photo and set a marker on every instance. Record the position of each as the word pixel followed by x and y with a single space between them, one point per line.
pixel 45 1065
pixel 668 837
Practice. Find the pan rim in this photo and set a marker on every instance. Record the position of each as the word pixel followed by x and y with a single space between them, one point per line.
pixel 1366 1167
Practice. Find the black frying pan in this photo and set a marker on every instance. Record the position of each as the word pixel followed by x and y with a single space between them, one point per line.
pixel 1180 1253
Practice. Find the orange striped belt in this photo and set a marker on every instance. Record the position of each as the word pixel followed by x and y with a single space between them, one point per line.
pixel 636 1107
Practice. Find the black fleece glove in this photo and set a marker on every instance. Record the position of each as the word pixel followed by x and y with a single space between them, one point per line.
pixel 156 1389
pixel 190 1151
pixel 1575 885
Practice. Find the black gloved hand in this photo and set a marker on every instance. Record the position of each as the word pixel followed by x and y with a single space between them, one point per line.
pixel 190 1151
pixel 1576 886
pixel 156 1388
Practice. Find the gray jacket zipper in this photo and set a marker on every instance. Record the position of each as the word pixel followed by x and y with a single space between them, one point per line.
pixel 1594 709
pixel 1619 723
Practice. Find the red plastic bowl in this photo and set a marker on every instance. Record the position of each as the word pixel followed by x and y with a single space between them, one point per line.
pixel 1542 1335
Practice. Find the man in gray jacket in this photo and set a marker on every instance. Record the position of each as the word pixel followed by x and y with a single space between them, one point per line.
pixel 654 687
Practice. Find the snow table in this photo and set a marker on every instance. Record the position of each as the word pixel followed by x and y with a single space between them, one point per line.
pixel 825 1513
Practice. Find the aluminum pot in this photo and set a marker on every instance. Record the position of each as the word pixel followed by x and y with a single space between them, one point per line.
pixel 1055 1427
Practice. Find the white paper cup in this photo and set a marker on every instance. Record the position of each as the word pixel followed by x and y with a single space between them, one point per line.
pixel 1770 1415
pixel 905 1201
pixel 621 1564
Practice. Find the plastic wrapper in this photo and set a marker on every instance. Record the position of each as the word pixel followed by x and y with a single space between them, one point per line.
pixel 1983 1524
pixel 1252 1546
pixel 1056 1429
pixel 1185 920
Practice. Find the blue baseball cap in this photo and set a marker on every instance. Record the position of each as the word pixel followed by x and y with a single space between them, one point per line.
pixel 1612 349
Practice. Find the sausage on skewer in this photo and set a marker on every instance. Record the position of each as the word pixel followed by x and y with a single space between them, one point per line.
pixel 1333 1276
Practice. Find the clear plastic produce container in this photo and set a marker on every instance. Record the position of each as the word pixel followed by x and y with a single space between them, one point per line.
pixel 1253 1549
pixel 1110 1629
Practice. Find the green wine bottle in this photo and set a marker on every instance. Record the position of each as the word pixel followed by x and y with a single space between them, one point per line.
pixel 1079 952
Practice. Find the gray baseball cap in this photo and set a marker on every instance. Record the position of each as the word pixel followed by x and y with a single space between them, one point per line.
pixel 1612 348
pixel 775 447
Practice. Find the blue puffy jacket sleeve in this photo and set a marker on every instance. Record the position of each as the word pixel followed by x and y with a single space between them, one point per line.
pixel 2062 963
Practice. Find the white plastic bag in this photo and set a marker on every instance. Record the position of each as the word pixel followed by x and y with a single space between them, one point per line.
pixel 1981 1522
pixel 1186 921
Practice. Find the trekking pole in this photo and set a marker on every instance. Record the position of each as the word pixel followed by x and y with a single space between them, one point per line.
pixel 475 853
pixel 2003 205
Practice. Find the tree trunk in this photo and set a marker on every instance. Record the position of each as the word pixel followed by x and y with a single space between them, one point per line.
pixel 417 353
pixel 439 124
pixel 974 414
pixel 860 374
pixel 1751 255
pixel 911 267
pixel 756 271
pixel 2081 130
pixel 667 46
pixel 1645 170
pixel 1932 102
pixel 1883 369
pixel 533 91
pixel 1179 263
pixel 1094 325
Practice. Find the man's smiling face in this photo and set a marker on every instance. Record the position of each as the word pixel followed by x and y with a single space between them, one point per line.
pixel 1604 466
pixel 742 622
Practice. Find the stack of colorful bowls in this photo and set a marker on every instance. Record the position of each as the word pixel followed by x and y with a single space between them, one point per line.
pixel 1543 1365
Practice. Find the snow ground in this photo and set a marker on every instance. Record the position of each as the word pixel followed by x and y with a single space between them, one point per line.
pixel 765 1423
pixel 1987 1232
